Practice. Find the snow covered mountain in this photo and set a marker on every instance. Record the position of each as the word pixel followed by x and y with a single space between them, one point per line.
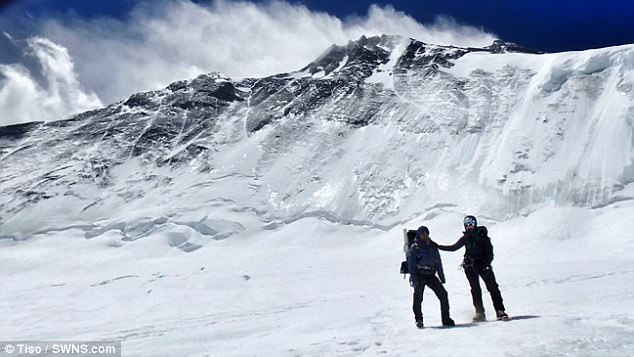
pixel 376 132
pixel 113 222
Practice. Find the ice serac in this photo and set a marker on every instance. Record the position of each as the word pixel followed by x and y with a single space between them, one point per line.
pixel 377 131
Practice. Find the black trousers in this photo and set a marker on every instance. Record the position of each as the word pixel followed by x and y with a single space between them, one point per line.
pixel 473 275
pixel 433 282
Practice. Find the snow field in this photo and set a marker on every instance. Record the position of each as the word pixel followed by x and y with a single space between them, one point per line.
pixel 314 288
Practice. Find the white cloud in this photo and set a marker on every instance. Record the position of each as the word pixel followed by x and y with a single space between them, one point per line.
pixel 23 99
pixel 175 40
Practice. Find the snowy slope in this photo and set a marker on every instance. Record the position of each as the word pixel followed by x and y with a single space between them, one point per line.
pixel 262 216
pixel 378 131
pixel 314 288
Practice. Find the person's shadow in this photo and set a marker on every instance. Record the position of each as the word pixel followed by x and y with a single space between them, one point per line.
pixel 471 324
pixel 524 317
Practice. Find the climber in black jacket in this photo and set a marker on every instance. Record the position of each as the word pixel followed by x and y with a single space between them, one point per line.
pixel 477 264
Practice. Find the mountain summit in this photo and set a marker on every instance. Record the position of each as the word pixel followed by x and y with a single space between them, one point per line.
pixel 374 132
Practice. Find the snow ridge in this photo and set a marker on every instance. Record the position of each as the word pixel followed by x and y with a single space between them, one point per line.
pixel 371 133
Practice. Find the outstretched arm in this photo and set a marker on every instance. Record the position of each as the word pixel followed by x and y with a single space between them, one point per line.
pixel 452 248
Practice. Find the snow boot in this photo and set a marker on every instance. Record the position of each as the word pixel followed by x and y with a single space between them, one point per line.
pixel 419 323
pixel 502 315
pixel 448 322
pixel 479 316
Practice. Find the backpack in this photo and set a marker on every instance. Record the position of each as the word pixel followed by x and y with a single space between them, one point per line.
pixel 426 260
pixel 409 237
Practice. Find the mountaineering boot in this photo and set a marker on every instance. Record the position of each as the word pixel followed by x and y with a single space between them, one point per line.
pixel 419 323
pixel 448 322
pixel 479 316
pixel 502 315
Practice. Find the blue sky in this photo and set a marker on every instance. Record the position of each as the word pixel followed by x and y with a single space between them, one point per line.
pixel 549 26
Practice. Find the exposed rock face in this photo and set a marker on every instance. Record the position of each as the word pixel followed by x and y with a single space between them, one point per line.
pixel 376 131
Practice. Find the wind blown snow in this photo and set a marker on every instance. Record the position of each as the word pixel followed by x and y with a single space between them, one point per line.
pixel 170 41
pixel 23 99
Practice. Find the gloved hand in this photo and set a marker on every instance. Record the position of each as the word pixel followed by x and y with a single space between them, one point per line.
pixel 486 270
pixel 442 280
pixel 413 283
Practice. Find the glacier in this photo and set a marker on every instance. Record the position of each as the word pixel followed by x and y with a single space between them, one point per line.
pixel 375 132
pixel 263 216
